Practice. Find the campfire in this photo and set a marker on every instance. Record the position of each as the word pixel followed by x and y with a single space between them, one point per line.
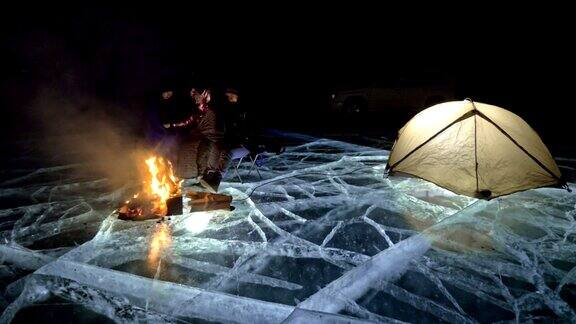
pixel 160 194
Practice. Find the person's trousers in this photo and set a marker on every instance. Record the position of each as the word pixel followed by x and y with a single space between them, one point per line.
pixel 204 149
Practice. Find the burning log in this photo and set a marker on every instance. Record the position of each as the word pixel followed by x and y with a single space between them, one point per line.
pixel 140 209
pixel 174 205
pixel 160 195
pixel 133 210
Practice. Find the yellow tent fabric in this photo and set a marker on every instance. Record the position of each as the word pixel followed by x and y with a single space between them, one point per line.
pixel 473 149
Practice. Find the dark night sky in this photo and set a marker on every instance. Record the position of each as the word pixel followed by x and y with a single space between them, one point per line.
pixel 285 61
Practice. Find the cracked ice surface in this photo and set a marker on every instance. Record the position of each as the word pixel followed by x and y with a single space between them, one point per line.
pixel 322 237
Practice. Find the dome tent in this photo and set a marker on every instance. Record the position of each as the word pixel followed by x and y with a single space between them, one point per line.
pixel 473 149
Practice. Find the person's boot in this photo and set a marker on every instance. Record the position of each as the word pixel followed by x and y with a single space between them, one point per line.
pixel 211 181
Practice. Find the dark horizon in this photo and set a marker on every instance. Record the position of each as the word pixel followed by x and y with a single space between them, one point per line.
pixel 118 59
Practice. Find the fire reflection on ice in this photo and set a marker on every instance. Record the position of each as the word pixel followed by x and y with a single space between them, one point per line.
pixel 160 243
pixel 161 238
pixel 509 259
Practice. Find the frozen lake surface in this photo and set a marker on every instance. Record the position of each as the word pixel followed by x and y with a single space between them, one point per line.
pixel 323 236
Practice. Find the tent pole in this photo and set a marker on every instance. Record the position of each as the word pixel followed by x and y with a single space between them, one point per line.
pixel 475 143
pixel 461 118
pixel 521 147
pixel 476 152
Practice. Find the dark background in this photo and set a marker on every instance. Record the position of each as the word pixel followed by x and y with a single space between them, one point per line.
pixel 285 61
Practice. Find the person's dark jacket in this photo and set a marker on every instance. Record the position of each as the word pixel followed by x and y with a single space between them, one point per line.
pixel 235 126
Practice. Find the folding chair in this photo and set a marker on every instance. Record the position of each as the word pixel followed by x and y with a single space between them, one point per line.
pixel 239 154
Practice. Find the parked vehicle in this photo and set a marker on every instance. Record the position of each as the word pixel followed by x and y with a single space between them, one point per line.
pixel 399 97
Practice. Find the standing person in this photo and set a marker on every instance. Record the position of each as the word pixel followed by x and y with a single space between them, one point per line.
pixel 187 155
pixel 201 149
pixel 235 135
pixel 234 116
pixel 213 129
pixel 163 108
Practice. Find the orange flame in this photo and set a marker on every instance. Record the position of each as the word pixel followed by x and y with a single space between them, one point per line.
pixel 160 183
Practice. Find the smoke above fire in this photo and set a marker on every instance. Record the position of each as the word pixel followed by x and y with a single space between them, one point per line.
pixel 103 139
